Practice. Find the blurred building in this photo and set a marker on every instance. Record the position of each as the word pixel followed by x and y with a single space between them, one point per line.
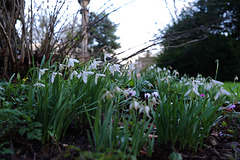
pixel 143 62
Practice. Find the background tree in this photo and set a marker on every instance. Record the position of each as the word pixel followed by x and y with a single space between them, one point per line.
pixel 102 35
pixel 204 32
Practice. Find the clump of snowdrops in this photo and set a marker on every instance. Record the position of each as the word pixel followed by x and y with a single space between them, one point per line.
pixel 120 107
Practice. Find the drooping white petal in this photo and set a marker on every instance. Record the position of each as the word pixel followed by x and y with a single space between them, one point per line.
pixel 79 75
pixel 113 68
pixel 106 56
pixel 74 73
pixel 98 75
pixel 125 92
pixel 39 85
pixel 217 82
pixel 61 67
pixel 217 95
pixel 131 92
pixel 118 90
pixel 134 105
pixel 94 64
pixel 155 94
pixel 147 95
pixel 85 75
pixel 53 76
pixel 195 91
pixel 147 109
pixel 71 62
pixel 188 92
pixel 41 72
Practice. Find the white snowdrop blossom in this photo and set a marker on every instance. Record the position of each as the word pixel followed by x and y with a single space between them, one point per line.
pixel 41 72
pixel 108 95
pixel 236 78
pixel 71 62
pixel 192 90
pixel 39 85
pixel 97 76
pixel 85 75
pixel 146 109
pixel 1 88
pixel 153 101
pixel 54 75
pixel 134 104
pixel 221 92
pixel 74 73
pixel 126 93
pixel 147 95
pixel 113 68
pixel 155 94
pixel 61 66
pixel 131 92
pixel 213 83
pixel 94 64
pixel 159 69
pixel 194 84
pixel 118 90
pixel 166 79
pixel 131 67
pixel 106 56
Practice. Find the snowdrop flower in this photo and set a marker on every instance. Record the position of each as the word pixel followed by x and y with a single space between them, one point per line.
pixel 85 75
pixel 118 90
pixel 108 95
pixel 192 90
pixel 147 95
pixel 134 104
pixel 131 92
pixel 98 75
pixel 126 93
pixel 221 92
pixel 175 73
pixel 153 101
pixel 146 109
pixel 94 64
pixel 41 72
pixel 159 69
pixel 54 75
pixel 114 67
pixel 214 83
pixel 155 94
pixel 236 78
pixel 39 85
pixel 74 73
pixel 131 67
pixel 61 66
pixel 106 56
pixel 2 88
pixel 79 75
pixel 71 62
pixel 165 78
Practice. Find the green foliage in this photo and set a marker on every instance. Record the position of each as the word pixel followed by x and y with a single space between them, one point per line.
pixel 4 150
pixel 214 39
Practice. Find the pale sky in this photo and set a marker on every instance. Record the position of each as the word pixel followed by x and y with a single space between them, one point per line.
pixel 137 21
